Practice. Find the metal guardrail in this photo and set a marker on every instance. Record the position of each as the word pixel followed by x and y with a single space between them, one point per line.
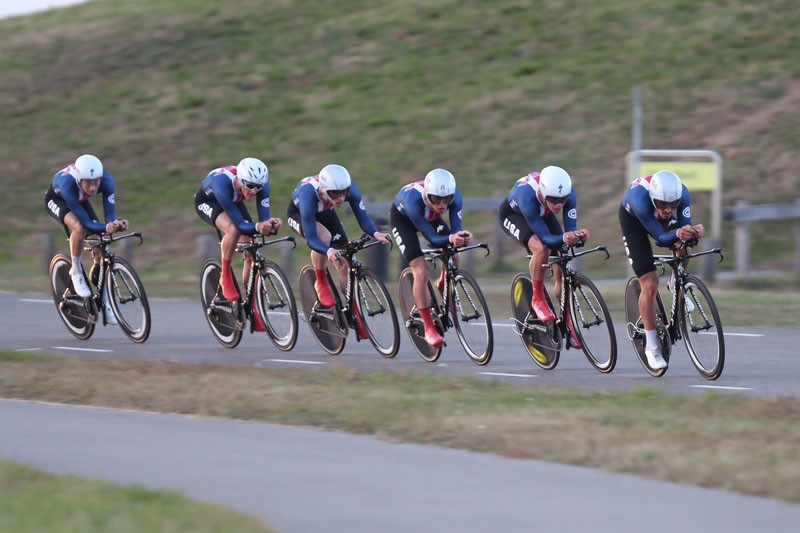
pixel 744 214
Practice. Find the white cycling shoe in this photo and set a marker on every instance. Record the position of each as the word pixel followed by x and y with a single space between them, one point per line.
pixel 79 284
pixel 654 358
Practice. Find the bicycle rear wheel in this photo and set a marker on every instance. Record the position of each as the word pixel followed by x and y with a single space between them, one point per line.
pixel 78 314
pixel 593 325
pixel 412 320
pixel 471 318
pixel 327 324
pixel 276 306
pixel 702 329
pixel 128 300
pixel 376 309
pixel 541 340
pixel 224 317
pixel 636 329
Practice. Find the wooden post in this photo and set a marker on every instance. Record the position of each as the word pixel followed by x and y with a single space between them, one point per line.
pixel 206 247
pixel 49 249
pixel 742 239
pixel 797 241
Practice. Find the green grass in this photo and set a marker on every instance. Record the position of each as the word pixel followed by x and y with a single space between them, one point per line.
pixel 32 501
pixel 163 91
pixel 734 442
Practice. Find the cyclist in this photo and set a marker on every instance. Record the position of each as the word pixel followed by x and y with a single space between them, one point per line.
pixel 657 205
pixel 528 215
pixel 220 202
pixel 67 200
pixel 311 214
pixel 418 207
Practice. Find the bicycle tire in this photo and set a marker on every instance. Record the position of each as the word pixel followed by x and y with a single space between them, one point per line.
pixel 413 322
pixel 79 315
pixel 636 329
pixel 224 318
pixel 125 288
pixel 702 329
pixel 327 324
pixel 593 324
pixel 277 306
pixel 373 304
pixel 467 304
pixel 541 341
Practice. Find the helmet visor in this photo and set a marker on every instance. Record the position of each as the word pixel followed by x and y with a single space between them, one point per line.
pixel 662 205
pixel 335 194
pixel 439 200
pixel 557 200
pixel 252 186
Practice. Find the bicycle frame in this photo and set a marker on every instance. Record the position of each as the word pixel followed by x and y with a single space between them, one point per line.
pixel 446 256
pixel 678 266
pixel 102 245
pixel 349 253
pixel 563 258
pixel 253 250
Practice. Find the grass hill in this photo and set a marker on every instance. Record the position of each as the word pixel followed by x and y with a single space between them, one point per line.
pixel 164 90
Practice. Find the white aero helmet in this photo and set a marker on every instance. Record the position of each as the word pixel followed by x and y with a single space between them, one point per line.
pixel 665 186
pixel 88 167
pixel 555 182
pixel 252 171
pixel 439 182
pixel 334 178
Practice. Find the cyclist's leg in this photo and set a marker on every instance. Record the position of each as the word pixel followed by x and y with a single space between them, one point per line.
pixel 331 232
pixel 419 267
pixel 230 236
pixel 442 228
pixel 539 254
pixel 248 260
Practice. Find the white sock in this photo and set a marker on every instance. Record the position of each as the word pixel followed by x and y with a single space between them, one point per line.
pixel 652 338
pixel 77 268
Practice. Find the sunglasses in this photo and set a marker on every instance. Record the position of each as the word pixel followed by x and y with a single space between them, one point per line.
pixel 556 199
pixel 666 205
pixel 335 194
pixel 440 199
pixel 251 186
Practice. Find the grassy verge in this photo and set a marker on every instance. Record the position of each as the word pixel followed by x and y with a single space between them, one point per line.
pixel 750 445
pixel 31 500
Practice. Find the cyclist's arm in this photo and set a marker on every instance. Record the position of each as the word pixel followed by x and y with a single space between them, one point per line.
pixel 530 210
pixel 653 226
pixel 357 205
pixel 223 192
pixel 416 213
pixel 70 193
pixel 308 216
pixel 109 200
pixel 571 212
pixel 262 203
pixel 455 210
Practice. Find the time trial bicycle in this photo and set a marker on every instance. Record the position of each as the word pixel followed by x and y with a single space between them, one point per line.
pixel 693 316
pixel 460 305
pixel 267 291
pixel 365 294
pixel 116 283
pixel 581 305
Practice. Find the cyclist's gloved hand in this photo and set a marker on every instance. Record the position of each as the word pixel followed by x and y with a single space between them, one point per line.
pixel 334 255
pixel 382 237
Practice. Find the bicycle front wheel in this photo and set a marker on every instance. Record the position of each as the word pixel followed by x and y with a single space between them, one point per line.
pixel 128 300
pixel 223 316
pixel 702 329
pixel 377 312
pixel 327 324
pixel 593 325
pixel 79 315
pixel 277 307
pixel 471 318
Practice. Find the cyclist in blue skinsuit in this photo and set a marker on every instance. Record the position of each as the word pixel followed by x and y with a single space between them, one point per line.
pixel 657 206
pixel 418 207
pixel 311 214
pixel 220 203
pixel 67 200
pixel 528 215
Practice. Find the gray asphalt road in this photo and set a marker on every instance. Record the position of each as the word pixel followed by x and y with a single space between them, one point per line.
pixel 305 481
pixel 759 361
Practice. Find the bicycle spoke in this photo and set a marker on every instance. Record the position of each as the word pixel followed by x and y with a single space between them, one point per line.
pixel 377 313
pixel 702 330
pixel 592 321
pixel 471 318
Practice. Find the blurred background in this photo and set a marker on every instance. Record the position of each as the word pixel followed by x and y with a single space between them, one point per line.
pixel 165 90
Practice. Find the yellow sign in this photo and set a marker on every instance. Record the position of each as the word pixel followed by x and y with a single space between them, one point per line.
pixel 697 176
